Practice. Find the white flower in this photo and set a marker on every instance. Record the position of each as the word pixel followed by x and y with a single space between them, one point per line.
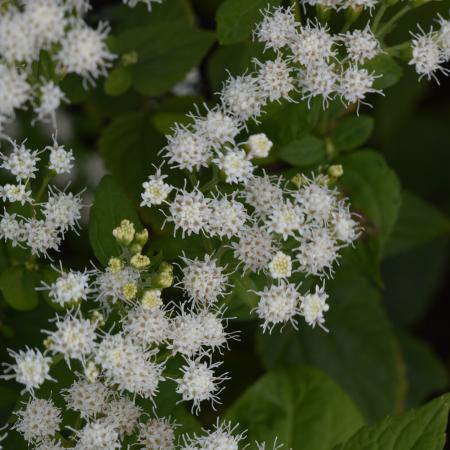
pixel 344 227
pixel 109 285
pixel 48 444
pixel 86 397
pixel 254 249
pixel 236 166
pixel 318 79
pixel 124 415
pixel 199 383
pixel 14 90
pixel 39 420
pixel 285 219
pixel 61 160
pixel 16 193
pixel 262 194
pixel 21 162
pixel 74 337
pixel 204 281
pixel 242 97
pixel 444 37
pixel 280 266
pixel 70 287
pixel 11 229
pixel 276 28
pixel 99 435
pixel 362 45
pixel 355 84
pixel 31 368
pixel 157 434
pixel 226 217
pixel 355 4
pixel 278 304
pixel 313 306
pixel 50 98
pixel 274 79
pixel 41 237
pixel 221 437
pixel 189 211
pixel 187 149
pixel 84 51
pixel 259 145
pixel 186 334
pixel 156 190
pixel 427 57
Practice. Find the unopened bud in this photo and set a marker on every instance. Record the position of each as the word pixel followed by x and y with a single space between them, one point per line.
pixel 97 318
pixel 135 248
pixel 151 299
pixel 124 233
pixel 141 237
pixel 129 291
pixel 115 264
pixel 91 372
pixel 298 180
pixel 336 171
pixel 140 261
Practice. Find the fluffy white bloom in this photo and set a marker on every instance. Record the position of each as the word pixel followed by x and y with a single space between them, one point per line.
pixel 335 4
pixel 221 437
pixel 312 45
pixel 313 305
pixel 199 383
pixel 39 420
pixel 318 79
pixel 50 98
pixel 61 160
pixel 218 127
pixel 20 162
pixel 41 237
pixel 444 37
pixel 146 326
pixel 286 219
pixel 189 211
pixel 204 281
pixel 157 434
pixel 84 51
pixel 259 145
pixel 48 444
pixel 355 4
pixel 276 28
pixel 317 252
pixel 242 97
pixel 110 284
pixel 14 90
pixel 11 229
pixel 262 194
pixel 86 397
pixel 278 304
pixel 427 57
pixel 156 190
pixel 16 193
pixel 280 266
pixel 274 79
pixel 255 248
pixel 74 337
pixel 355 84
pixel 124 415
pixel 362 45
pixel 227 217
pixel 187 149
pixel 99 435
pixel 31 368
pixel 62 210
pixel 345 229
pixel 46 21
pixel 70 287
pixel 133 3
pixel 236 166
pixel 186 334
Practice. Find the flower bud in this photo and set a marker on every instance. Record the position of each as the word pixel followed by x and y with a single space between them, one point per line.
pixel 115 264
pixel 124 233
pixel 141 237
pixel 129 291
pixel 151 299
pixel 336 171
pixel 140 261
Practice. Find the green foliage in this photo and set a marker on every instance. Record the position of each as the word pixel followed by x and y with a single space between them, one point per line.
pixel 306 151
pixel 303 407
pixel 352 132
pixel 18 288
pixel 387 68
pixel 111 206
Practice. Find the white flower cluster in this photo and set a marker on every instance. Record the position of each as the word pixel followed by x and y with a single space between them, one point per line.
pixel 431 51
pixel 43 229
pixel 57 28
pixel 128 362
pixel 343 4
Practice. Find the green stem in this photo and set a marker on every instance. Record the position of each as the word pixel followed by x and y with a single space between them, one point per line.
pixel 394 49
pixel 43 187
pixel 386 28
pixel 379 15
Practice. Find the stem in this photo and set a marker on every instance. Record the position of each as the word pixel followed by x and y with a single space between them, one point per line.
pixel 396 48
pixel 376 21
pixel 388 25
pixel 43 187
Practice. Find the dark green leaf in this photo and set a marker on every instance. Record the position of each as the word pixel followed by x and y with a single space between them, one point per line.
pixel 389 70
pixel 302 407
pixel 236 19
pixel 360 352
pixel 111 206
pixel 352 132
pixel 306 151
pixel 118 81
pixel 418 429
pixel 17 287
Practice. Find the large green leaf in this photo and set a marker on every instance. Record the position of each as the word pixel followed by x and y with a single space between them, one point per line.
pixel 304 408
pixel 417 429
pixel 111 206
pixel 160 63
pixel 236 19
pixel 360 352
pixel 352 132
pixel 17 287
pixel 306 151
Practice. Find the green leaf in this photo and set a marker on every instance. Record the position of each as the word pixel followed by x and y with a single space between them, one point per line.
pixel 236 19
pixel 375 193
pixel 360 352
pixel 118 81
pixel 388 68
pixel 306 151
pixel 111 206
pixel 162 62
pixel 18 289
pixel 418 429
pixel 304 408
pixel 418 222
pixel 426 374
pixel 352 132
